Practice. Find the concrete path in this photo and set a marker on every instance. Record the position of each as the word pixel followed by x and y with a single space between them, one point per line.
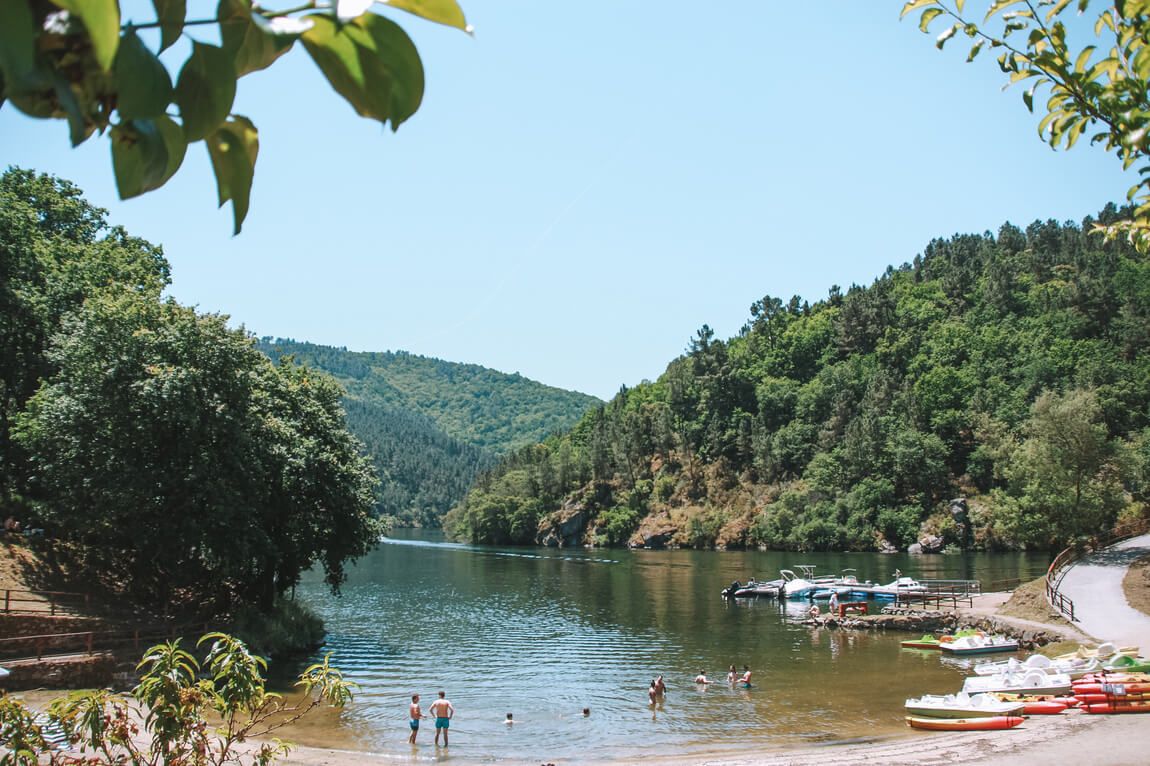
pixel 1094 583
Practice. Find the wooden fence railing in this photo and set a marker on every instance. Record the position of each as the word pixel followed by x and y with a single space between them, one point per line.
pixel 41 601
pixel 89 642
pixel 1058 568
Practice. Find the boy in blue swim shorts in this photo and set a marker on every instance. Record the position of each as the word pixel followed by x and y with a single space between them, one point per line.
pixel 415 715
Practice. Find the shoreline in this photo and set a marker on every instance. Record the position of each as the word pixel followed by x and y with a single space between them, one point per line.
pixel 1068 739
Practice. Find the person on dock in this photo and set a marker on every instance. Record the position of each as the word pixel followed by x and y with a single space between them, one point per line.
pixel 745 681
pixel 443 711
pixel 415 714
pixel 834 605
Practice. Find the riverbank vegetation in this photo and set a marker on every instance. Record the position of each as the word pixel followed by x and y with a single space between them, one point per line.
pixel 157 450
pixel 182 711
pixel 1011 370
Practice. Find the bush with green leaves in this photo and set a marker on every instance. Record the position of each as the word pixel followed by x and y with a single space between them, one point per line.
pixel 1101 89
pixel 190 714
pixel 75 60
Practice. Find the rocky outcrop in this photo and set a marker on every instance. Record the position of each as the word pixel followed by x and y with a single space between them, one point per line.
pixel 562 529
pixel 928 544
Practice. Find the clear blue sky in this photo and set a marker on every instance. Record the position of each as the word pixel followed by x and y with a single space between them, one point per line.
pixel 588 183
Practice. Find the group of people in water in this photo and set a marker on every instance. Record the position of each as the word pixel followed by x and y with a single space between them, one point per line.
pixel 443 711
pixel 658 689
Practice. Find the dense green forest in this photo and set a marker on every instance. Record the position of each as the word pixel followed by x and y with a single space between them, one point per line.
pixel 1009 370
pixel 431 426
pixel 157 450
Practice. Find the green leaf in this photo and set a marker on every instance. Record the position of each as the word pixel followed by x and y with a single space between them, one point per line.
pixel 171 15
pixel 946 35
pixel 340 59
pixel 393 59
pixel 912 5
pixel 249 38
pixel 174 142
pixel 929 15
pixel 205 90
pixel 139 157
pixel 448 12
pixel 143 84
pixel 18 47
pixel 102 20
pixel 233 148
pixel 66 102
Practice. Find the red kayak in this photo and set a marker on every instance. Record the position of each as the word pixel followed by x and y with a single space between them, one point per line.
pixel 1117 707
pixel 1093 699
pixel 1043 707
pixel 964 724
pixel 1108 688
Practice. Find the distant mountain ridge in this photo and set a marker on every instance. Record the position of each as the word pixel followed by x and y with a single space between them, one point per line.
pixel 431 425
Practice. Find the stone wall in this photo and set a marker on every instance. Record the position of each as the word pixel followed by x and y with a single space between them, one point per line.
pixel 14 625
pixel 939 622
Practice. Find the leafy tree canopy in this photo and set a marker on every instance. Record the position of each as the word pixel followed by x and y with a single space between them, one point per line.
pixel 177 460
pixel 75 60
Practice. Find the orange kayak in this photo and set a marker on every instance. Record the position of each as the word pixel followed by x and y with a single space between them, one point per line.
pixel 964 724
pixel 1117 707
pixel 1043 707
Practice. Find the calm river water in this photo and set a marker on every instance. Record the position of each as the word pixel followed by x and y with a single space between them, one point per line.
pixel 543 633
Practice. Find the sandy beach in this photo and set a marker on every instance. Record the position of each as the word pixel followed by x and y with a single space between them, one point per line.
pixel 1068 740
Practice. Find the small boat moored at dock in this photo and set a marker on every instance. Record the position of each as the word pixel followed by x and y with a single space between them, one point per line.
pixel 979 644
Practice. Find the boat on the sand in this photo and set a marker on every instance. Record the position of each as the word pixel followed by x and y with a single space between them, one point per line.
pixel 1030 682
pixel 961 705
pixel 965 724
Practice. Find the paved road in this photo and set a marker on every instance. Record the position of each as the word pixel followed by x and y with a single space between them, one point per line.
pixel 1094 583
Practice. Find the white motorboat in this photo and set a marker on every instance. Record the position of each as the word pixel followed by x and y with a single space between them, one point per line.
pixel 804 584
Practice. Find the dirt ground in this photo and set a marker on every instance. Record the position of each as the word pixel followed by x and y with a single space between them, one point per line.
pixel 1136 585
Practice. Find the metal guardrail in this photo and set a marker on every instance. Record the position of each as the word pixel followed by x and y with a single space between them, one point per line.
pixel 1057 569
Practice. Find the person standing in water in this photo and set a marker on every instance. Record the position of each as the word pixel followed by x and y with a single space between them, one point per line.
pixel 702 678
pixel 732 676
pixel 415 714
pixel 443 711
pixel 746 679
pixel 660 687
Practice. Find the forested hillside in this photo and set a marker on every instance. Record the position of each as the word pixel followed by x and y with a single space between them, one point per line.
pixel 431 426
pixel 1012 370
